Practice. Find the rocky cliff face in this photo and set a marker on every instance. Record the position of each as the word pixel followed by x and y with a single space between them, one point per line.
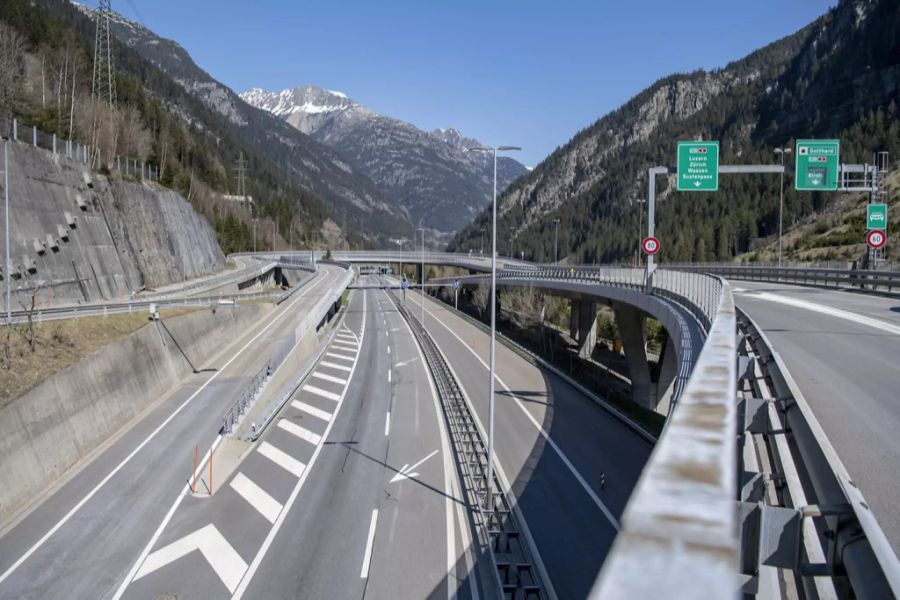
pixel 430 174
pixel 79 237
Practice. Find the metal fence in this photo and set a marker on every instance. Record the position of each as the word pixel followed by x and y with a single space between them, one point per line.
pixel 862 279
pixel 74 151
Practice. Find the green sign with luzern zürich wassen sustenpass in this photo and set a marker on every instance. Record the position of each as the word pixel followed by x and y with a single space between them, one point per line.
pixel 816 166
pixel 698 166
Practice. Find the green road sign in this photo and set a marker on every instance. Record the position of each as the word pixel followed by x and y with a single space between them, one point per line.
pixel 698 166
pixel 876 216
pixel 817 163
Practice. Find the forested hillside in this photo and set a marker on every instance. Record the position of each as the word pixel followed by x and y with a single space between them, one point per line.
pixel 48 53
pixel 836 78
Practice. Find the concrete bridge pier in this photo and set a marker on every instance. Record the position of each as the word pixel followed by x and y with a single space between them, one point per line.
pixel 583 325
pixel 631 322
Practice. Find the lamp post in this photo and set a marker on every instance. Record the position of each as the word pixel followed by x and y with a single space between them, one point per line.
pixel 7 269
pixel 482 241
pixel 422 280
pixel 556 241
pixel 781 151
pixel 490 465
pixel 640 230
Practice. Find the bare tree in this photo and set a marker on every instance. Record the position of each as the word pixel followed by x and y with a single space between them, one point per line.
pixel 481 296
pixel 12 52
pixel 27 331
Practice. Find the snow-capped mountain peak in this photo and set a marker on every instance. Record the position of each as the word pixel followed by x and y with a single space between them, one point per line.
pixel 307 107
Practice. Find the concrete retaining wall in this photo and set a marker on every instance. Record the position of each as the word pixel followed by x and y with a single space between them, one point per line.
pixel 125 236
pixel 51 427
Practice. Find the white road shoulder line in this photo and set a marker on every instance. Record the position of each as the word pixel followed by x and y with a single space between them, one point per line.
pixel 311 410
pixel 387 423
pixel 330 378
pixel 367 557
pixel 257 497
pixel 282 459
pixel 301 432
pixel 320 392
pixel 831 312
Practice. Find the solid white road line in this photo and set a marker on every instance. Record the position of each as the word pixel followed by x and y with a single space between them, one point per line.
pixel 332 365
pixel 147 440
pixel 257 497
pixel 827 310
pixel 562 456
pixel 341 356
pixel 311 410
pixel 389 375
pixel 387 423
pixel 267 543
pixel 320 392
pixel 367 557
pixel 282 459
pixel 220 555
pixel 301 432
pixel 389 349
pixel 330 378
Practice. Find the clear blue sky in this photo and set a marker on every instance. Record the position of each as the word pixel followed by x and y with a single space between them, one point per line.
pixel 504 71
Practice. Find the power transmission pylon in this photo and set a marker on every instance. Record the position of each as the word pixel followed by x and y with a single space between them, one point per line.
pixel 103 88
pixel 241 170
pixel 103 85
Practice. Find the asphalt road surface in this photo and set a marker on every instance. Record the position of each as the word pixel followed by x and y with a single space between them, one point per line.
pixel 81 539
pixel 843 350
pixel 552 445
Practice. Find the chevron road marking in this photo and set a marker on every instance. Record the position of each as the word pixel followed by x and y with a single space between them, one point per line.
pixel 300 432
pixel 282 459
pixel 223 559
pixel 320 392
pixel 311 410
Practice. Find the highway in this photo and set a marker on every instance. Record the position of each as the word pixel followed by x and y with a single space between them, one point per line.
pixel 81 538
pixel 841 348
pixel 552 445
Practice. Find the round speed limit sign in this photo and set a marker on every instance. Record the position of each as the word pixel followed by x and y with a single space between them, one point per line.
pixel 650 245
pixel 876 239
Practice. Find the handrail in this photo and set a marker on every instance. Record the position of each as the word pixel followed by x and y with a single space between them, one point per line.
pixel 863 279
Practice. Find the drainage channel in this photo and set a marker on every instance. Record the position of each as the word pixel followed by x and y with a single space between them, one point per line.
pixel 497 529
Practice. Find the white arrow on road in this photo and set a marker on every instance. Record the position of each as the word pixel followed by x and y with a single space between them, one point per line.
pixel 224 559
pixel 407 471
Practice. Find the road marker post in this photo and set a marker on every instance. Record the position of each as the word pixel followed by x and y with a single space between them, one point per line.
pixel 210 471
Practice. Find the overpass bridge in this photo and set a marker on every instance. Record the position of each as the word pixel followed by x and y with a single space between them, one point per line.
pixel 743 491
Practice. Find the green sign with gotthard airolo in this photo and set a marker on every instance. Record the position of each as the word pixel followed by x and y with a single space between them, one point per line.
pixel 816 165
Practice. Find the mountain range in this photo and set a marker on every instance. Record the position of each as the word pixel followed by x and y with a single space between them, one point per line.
pixel 838 77
pixel 431 174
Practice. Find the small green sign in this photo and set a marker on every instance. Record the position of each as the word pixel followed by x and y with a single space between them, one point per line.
pixel 816 165
pixel 876 216
pixel 698 166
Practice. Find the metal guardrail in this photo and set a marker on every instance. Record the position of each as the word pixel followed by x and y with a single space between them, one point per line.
pixel 237 410
pixel 863 279
pixel 816 516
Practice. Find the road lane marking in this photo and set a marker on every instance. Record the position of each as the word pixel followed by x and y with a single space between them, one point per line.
pixel 312 410
pixel 340 356
pixel 257 497
pixel 282 459
pixel 389 349
pixel 345 336
pixel 408 472
pixel 565 459
pixel 330 378
pixel 389 375
pixel 220 555
pixel 451 489
pixel 387 423
pixel 270 537
pixel 301 432
pixel 320 392
pixel 344 346
pixel 827 310
pixel 367 557
pixel 152 435
pixel 332 365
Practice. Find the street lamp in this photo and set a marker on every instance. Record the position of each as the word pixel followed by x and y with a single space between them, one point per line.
pixel 422 313
pixel 781 151
pixel 490 473
pixel 7 270
pixel 640 230
pixel 556 241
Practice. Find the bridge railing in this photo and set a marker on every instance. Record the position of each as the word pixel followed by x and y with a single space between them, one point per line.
pixel 872 279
